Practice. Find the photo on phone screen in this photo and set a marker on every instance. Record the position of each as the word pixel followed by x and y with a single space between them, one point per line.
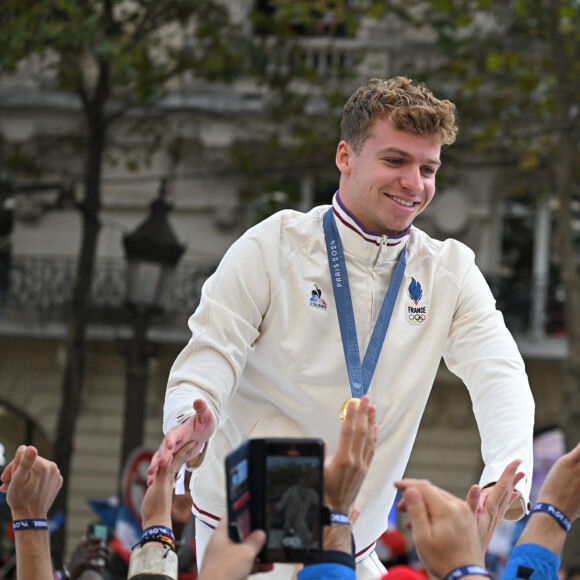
pixel 293 488
pixel 98 531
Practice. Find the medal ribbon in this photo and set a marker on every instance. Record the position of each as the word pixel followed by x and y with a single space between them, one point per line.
pixel 360 376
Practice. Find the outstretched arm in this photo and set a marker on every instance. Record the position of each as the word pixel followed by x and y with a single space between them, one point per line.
pixel 156 506
pixel 561 491
pixel 158 544
pixel 31 483
pixel 539 545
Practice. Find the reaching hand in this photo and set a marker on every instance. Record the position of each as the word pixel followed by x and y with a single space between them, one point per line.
pixel 444 527
pixel 344 475
pixel 490 504
pixel 561 488
pixel 227 560
pixel 31 483
pixel 156 506
pixel 197 429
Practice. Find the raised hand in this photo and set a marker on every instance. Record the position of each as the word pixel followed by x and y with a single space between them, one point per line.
pixel 31 483
pixel 345 474
pixel 490 504
pixel 228 560
pixel 561 487
pixel 156 506
pixel 444 527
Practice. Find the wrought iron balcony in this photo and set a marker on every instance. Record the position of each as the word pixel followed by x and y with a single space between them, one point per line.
pixel 36 291
pixel 35 294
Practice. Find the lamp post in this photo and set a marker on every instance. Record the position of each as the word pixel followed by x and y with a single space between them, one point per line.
pixel 152 253
pixel 6 224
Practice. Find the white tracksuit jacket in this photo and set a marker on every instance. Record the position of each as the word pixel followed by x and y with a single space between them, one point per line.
pixel 270 362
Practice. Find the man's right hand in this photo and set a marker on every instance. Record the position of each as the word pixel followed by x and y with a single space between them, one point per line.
pixel 196 429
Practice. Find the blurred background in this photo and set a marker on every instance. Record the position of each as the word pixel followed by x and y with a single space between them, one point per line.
pixel 139 139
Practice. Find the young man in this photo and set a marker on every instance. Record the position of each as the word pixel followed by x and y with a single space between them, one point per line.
pixel 266 360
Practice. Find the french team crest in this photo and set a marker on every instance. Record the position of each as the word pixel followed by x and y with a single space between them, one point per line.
pixel 316 300
pixel 416 312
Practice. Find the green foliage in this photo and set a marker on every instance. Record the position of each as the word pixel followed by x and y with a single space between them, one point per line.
pixel 138 44
pixel 502 65
pixel 116 55
pixel 288 18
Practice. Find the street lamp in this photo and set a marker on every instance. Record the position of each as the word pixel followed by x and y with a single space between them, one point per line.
pixel 152 253
pixel 6 224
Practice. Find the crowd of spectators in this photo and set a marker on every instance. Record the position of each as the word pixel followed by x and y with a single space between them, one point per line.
pixel 450 535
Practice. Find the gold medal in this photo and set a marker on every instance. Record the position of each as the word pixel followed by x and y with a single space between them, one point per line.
pixel 344 408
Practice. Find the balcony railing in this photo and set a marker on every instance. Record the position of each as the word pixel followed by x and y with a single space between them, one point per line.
pixel 37 290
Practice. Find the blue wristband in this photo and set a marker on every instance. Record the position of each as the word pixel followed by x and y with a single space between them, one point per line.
pixel 338 518
pixel 31 524
pixel 467 571
pixel 157 532
pixel 555 513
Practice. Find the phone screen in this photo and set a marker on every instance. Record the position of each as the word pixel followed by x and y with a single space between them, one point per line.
pixel 98 531
pixel 102 532
pixel 293 487
pixel 239 490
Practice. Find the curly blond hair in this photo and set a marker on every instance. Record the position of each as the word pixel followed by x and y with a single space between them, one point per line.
pixel 410 107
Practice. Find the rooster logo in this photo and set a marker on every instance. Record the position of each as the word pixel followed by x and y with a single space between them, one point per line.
pixel 316 298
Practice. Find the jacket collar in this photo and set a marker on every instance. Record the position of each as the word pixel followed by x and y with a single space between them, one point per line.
pixel 362 243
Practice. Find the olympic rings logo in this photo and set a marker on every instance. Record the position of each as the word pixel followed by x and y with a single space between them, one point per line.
pixel 417 318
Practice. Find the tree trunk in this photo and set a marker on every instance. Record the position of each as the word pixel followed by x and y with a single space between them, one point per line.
pixel 73 379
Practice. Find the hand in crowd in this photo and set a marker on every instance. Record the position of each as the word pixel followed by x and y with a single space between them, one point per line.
pixel 197 429
pixel 344 475
pixel 86 550
pixel 449 532
pixel 228 560
pixel 31 484
pixel 444 527
pixel 561 488
pixel 491 504
pixel 156 505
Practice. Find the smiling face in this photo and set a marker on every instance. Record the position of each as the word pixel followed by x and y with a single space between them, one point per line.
pixel 391 180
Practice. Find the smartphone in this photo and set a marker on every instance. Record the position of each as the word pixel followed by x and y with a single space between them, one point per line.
pixel 102 532
pixel 277 485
